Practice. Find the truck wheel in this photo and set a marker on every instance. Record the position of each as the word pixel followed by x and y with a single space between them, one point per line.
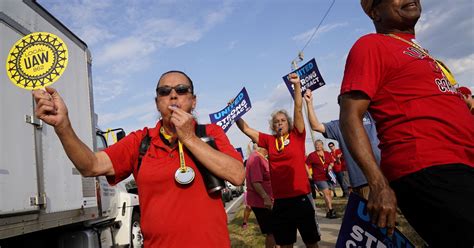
pixel 136 235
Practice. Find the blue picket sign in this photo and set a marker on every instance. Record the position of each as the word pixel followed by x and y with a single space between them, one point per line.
pixel 358 231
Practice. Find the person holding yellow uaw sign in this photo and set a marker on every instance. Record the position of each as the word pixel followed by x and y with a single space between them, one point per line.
pixel 37 60
pixel 177 210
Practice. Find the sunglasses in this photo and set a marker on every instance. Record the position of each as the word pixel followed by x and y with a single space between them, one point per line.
pixel 181 89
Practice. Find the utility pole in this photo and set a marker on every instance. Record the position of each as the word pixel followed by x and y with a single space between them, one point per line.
pixel 294 65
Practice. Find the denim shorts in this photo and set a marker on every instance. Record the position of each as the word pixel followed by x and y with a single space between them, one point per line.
pixel 322 185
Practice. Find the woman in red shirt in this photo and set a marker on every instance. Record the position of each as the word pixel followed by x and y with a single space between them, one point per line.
pixel 321 162
pixel 292 209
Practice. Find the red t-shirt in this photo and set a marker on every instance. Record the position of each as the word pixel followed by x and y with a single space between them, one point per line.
pixel 421 120
pixel 257 171
pixel 319 165
pixel 287 167
pixel 338 166
pixel 172 215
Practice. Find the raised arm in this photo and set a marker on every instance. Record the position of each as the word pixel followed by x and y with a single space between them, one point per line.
pixel 250 132
pixel 298 108
pixel 382 205
pixel 51 108
pixel 313 119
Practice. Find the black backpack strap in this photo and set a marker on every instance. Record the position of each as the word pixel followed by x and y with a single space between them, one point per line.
pixel 144 144
pixel 201 132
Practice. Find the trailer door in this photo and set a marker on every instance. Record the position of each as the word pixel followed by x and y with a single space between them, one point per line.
pixel 18 173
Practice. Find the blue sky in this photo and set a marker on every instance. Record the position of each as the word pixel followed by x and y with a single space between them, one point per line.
pixel 226 45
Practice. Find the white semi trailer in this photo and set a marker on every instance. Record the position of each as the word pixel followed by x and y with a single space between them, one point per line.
pixel 44 200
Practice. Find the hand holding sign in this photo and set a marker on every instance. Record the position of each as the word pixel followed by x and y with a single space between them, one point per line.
pixel 310 78
pixel 233 111
pixel 358 231
pixel 294 79
pixel 382 207
pixel 50 108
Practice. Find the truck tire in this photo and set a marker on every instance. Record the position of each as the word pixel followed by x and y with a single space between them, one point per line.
pixel 136 233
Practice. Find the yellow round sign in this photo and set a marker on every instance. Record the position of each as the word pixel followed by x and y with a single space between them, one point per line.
pixel 37 60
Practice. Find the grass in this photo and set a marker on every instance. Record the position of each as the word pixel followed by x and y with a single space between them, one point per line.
pixel 338 204
pixel 251 236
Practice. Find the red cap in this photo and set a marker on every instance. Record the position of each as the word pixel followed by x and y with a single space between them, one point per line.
pixel 465 91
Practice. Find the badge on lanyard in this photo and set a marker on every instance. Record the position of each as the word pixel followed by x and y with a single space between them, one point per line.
pixel 184 174
pixel 284 142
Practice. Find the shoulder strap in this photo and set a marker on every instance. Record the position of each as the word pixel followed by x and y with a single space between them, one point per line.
pixel 201 132
pixel 144 144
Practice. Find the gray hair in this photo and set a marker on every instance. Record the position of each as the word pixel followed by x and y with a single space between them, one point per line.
pixel 288 118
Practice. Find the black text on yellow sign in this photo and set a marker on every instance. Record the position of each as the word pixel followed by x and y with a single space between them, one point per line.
pixel 37 60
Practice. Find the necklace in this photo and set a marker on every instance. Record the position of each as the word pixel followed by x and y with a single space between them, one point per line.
pixel 184 174
pixel 284 141
pixel 321 158
pixel 446 72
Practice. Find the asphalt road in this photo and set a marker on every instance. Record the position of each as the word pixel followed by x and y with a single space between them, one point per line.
pixel 232 207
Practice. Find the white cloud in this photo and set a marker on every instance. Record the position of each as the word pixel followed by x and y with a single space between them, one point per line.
pixel 124 49
pixel 85 18
pixel 304 37
pixel 443 32
pixel 218 15
pixel 107 89
pixel 462 69
pixel 169 33
pixel 95 34
pixel 134 112
pixel 462 65
pixel 448 33
pixel 142 43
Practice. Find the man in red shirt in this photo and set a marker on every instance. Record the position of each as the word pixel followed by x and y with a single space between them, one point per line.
pixel 424 127
pixel 176 210
pixel 340 169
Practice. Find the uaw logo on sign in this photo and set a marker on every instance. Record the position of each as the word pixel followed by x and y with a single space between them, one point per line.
pixel 309 75
pixel 357 230
pixel 238 107
pixel 37 60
